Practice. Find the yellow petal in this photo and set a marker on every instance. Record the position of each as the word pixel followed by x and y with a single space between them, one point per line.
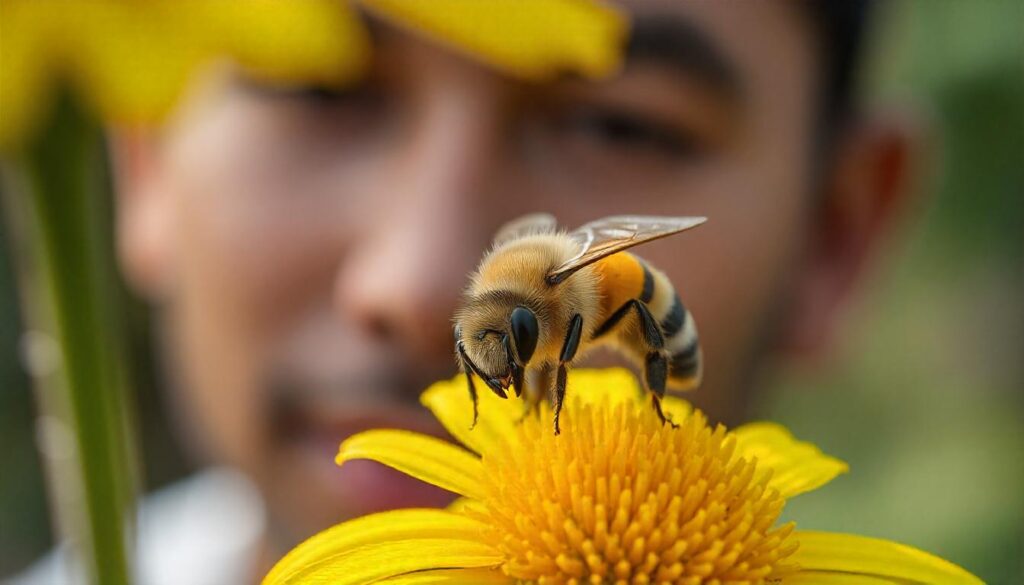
pixel 675 408
pixel 796 466
pixel 375 528
pixel 614 384
pixel 820 578
pixel 450 402
pixel 531 39
pixel 860 555
pixel 426 458
pixel 451 577
pixel 373 562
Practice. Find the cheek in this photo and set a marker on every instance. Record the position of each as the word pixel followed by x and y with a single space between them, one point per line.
pixel 730 270
pixel 248 263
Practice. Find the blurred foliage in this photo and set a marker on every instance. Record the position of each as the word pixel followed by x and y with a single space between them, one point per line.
pixel 924 399
pixel 24 530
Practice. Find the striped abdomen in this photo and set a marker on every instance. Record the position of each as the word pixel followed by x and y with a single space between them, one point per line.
pixel 625 277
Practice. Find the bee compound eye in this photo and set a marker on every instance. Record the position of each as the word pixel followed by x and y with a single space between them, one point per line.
pixel 525 332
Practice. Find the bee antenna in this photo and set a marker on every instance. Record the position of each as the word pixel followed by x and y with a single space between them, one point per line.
pixel 469 365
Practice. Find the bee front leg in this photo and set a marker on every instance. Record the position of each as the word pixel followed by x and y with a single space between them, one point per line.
pixel 569 348
pixel 472 396
pixel 467 368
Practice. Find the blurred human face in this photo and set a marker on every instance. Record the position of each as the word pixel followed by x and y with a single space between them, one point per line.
pixel 312 244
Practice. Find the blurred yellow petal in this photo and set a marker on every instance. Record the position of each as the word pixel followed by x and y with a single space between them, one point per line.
pixel 530 39
pixel 796 466
pixel 375 528
pixel 373 562
pixel 25 68
pixel 132 60
pixel 426 458
pixel 451 577
pixel 321 41
pixel 872 557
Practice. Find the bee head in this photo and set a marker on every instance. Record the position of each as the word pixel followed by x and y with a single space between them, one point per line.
pixel 497 347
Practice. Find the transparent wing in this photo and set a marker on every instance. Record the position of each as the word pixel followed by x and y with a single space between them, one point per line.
pixel 609 235
pixel 531 223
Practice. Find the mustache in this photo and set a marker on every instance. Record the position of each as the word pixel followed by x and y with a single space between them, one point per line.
pixel 377 387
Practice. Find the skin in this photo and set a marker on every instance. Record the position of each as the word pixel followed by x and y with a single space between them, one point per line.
pixel 304 256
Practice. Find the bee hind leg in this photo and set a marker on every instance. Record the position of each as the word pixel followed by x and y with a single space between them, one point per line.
pixel 656 360
pixel 656 375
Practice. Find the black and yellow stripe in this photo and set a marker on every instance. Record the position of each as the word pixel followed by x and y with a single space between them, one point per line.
pixel 627 277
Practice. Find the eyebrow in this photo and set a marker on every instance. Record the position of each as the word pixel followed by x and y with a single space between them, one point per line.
pixel 681 46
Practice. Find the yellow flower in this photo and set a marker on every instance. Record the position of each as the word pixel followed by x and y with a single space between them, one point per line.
pixel 130 59
pixel 616 498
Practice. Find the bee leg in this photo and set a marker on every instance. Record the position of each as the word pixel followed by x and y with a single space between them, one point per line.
pixel 649 328
pixel 467 368
pixel 569 348
pixel 530 405
pixel 539 380
pixel 656 374
pixel 656 361
pixel 558 394
pixel 661 415
pixel 472 396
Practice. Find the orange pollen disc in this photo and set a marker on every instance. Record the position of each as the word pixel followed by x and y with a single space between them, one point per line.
pixel 620 498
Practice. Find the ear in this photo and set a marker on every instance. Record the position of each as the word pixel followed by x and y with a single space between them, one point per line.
pixel 867 186
pixel 144 212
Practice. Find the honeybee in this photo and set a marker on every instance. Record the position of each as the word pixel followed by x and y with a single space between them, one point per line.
pixel 541 298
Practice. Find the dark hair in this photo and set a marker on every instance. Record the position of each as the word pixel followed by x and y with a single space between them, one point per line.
pixel 841 26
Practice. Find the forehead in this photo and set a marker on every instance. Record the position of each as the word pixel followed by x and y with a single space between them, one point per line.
pixel 761 41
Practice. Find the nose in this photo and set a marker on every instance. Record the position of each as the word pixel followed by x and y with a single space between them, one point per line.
pixel 402 276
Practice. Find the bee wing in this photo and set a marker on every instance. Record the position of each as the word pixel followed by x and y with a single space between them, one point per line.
pixel 609 235
pixel 531 223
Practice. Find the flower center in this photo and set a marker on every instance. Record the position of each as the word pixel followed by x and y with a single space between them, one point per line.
pixel 619 498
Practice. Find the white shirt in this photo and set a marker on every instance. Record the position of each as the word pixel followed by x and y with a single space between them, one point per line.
pixel 204 530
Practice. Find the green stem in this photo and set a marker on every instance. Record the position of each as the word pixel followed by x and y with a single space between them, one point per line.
pixel 72 234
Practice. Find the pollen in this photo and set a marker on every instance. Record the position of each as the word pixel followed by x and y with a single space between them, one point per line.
pixel 620 498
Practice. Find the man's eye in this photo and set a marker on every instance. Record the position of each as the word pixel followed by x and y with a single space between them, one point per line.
pixel 626 130
pixel 329 96
pixel 316 95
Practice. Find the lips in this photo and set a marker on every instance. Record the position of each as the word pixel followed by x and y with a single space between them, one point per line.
pixel 359 487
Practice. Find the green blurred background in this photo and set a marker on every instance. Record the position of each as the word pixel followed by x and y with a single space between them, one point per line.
pixel 925 398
